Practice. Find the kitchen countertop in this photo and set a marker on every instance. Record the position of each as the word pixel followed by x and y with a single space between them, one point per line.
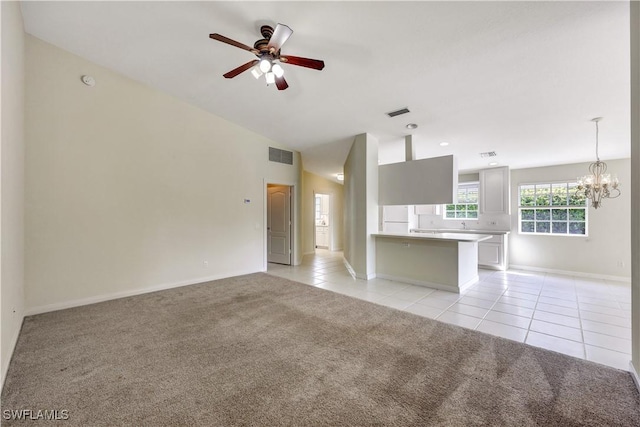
pixel 457 237
pixel 459 231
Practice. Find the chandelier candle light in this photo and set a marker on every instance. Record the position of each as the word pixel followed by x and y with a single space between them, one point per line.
pixel 599 184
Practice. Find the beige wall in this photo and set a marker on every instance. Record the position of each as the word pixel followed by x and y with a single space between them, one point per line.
pixel 607 244
pixel 12 178
pixel 361 205
pixel 312 184
pixel 129 189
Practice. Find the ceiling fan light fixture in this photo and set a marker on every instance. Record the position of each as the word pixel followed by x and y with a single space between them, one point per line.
pixel 270 78
pixel 277 70
pixel 267 50
pixel 265 65
pixel 256 72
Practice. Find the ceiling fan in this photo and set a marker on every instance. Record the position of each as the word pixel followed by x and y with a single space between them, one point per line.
pixel 267 50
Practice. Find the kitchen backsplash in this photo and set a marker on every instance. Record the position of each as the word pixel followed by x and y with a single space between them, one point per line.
pixel 484 222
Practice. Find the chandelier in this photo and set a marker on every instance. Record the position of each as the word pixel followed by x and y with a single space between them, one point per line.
pixel 598 184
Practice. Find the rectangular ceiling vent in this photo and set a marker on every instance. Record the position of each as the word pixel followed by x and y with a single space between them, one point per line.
pixel 280 156
pixel 398 112
pixel 488 154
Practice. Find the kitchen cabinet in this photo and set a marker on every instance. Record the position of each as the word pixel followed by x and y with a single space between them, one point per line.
pixel 492 253
pixel 322 237
pixel 494 191
pixel 427 209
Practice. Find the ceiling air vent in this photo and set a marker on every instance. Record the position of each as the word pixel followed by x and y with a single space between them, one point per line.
pixel 280 156
pixel 488 154
pixel 398 112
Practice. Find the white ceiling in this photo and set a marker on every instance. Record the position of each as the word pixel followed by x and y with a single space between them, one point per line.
pixel 519 78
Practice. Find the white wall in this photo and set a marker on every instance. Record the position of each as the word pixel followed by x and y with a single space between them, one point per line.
pixel 361 205
pixel 12 178
pixel 609 228
pixel 635 186
pixel 312 184
pixel 129 189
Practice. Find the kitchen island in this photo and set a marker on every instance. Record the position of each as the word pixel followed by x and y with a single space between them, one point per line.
pixel 447 261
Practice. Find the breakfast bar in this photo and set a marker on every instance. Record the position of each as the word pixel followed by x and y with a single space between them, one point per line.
pixel 447 261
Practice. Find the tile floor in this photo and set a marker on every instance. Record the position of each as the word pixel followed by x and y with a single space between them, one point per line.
pixel 581 317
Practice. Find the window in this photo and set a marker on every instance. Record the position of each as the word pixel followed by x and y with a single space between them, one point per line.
pixel 552 209
pixel 467 206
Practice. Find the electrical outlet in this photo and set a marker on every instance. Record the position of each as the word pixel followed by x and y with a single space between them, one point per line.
pixel 492 223
pixel 205 264
pixel 620 264
pixel 405 244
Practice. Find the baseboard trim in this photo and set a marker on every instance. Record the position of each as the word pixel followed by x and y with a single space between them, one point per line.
pixel 634 375
pixel 468 284
pixel 571 273
pixel 355 275
pixel 350 269
pixel 309 253
pixel 123 294
pixel 433 285
pixel 12 345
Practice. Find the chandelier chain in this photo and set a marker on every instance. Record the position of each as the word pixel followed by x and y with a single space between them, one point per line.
pixel 597 156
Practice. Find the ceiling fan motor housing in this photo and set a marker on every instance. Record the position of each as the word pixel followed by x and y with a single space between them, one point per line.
pixel 266 31
pixel 261 45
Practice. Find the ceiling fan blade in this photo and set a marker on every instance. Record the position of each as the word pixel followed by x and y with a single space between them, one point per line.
pixel 281 83
pixel 280 35
pixel 227 40
pixel 316 64
pixel 231 74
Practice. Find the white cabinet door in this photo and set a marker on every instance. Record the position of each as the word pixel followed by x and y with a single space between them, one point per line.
pixel 322 237
pixel 492 253
pixel 489 254
pixel 395 213
pixel 494 191
pixel 427 209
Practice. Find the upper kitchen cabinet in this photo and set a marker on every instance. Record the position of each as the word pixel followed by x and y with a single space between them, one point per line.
pixel 427 209
pixel 494 191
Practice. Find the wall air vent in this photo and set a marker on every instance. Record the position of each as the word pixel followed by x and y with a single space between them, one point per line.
pixel 398 112
pixel 488 154
pixel 280 156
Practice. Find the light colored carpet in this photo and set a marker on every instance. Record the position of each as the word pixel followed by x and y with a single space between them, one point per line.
pixel 261 350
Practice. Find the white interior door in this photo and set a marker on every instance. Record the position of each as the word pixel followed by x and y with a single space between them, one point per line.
pixel 279 224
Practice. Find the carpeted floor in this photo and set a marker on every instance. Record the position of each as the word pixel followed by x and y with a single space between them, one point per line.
pixel 261 350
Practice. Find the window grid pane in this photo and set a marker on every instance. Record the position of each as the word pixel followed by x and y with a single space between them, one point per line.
pixel 467 206
pixel 552 208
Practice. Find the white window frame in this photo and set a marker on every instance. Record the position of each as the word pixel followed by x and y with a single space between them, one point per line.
pixel 522 207
pixel 464 186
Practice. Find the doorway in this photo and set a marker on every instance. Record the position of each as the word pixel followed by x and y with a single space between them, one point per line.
pixel 323 220
pixel 279 224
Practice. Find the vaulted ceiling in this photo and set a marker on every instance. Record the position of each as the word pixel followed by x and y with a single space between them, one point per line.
pixel 519 78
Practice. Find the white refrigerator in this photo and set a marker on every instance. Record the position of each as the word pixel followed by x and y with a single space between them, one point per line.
pixel 398 219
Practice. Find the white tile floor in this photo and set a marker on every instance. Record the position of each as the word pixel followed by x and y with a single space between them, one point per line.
pixel 581 317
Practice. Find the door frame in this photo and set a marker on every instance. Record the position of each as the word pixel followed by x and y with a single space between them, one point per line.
pixel 330 227
pixel 292 234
